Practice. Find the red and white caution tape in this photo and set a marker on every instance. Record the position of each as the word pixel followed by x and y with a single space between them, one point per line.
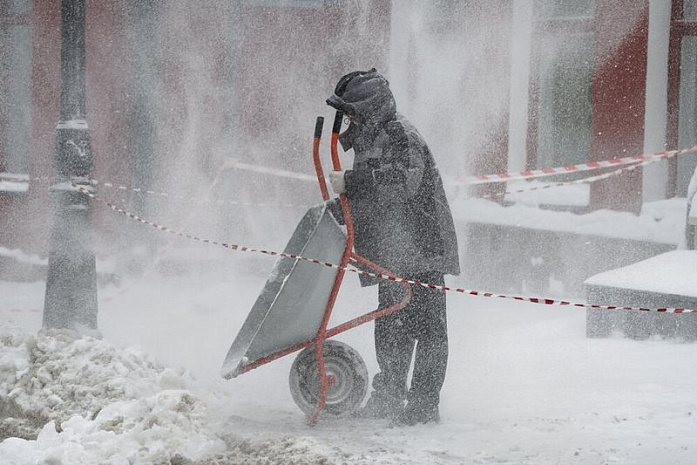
pixel 587 180
pixel 630 163
pixel 138 190
pixel 472 292
pixel 594 165
pixel 500 177
pixel 471 180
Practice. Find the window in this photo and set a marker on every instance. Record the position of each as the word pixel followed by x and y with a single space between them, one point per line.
pixel 564 113
pixel 561 83
pixel 682 92
pixel 687 116
pixel 690 9
pixel 15 91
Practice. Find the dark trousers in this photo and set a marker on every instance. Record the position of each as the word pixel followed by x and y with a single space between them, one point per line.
pixel 423 324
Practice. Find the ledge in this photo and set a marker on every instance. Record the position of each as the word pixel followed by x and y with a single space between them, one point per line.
pixel 11 183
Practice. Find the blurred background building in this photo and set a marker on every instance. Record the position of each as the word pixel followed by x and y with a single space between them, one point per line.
pixel 182 97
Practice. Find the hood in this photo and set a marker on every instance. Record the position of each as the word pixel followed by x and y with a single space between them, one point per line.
pixel 365 96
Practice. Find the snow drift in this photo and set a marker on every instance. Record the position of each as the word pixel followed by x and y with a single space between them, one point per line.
pixel 83 401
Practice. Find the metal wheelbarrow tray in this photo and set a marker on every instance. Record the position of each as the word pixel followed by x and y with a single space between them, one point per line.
pixel 290 307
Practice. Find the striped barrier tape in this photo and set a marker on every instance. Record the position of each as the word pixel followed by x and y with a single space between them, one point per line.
pixel 471 180
pixel 139 190
pixel 472 292
pixel 589 179
pixel 594 165
pixel 632 162
pixel 194 199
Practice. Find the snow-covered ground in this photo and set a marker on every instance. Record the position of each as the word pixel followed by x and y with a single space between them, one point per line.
pixel 524 386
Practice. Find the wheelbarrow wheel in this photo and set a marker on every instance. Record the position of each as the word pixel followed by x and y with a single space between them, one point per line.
pixel 348 379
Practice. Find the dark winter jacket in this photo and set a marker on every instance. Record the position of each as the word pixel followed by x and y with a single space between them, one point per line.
pixel 401 216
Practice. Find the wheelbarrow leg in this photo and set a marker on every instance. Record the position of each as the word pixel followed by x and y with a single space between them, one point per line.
pixel 321 337
pixel 324 384
pixel 321 333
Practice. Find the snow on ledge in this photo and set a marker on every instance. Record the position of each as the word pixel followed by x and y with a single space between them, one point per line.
pixel 13 182
pixel 661 222
pixel 22 257
pixel 6 186
pixel 672 272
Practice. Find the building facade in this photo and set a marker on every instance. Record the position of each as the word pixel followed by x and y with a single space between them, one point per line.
pixel 177 90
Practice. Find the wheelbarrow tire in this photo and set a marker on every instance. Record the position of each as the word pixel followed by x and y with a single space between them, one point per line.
pixel 348 379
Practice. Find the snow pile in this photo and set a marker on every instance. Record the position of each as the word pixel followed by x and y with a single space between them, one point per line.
pixel 82 401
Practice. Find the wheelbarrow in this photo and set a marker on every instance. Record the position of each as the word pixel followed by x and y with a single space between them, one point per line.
pixel 292 310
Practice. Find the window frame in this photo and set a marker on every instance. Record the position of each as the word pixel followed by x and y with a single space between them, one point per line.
pixel 679 28
pixel 12 19
pixel 545 27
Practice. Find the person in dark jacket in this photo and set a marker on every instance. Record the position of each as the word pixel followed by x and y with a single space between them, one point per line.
pixel 403 223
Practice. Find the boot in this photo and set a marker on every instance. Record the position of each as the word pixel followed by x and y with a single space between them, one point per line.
pixel 418 411
pixel 381 406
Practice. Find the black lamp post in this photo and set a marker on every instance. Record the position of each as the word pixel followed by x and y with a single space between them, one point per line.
pixel 71 284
